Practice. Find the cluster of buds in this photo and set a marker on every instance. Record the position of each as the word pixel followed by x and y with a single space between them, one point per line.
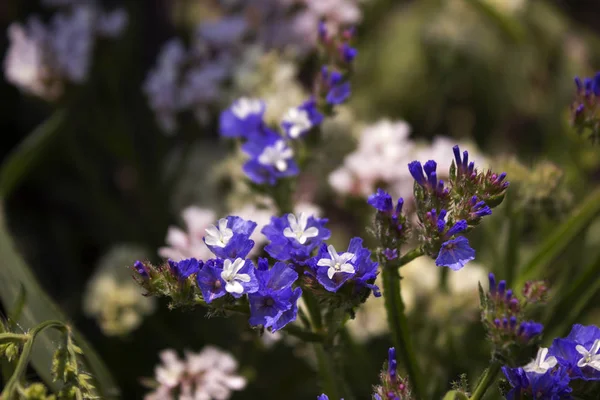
pixel 332 86
pixel 535 291
pixel 174 280
pixel 66 369
pixel 428 190
pixel 503 315
pixel 392 385
pixel 585 110
pixel 391 226
pixel 477 186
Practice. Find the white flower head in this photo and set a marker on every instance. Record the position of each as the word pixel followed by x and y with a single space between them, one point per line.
pixel 276 155
pixel 231 276
pixel 297 229
pixel 188 243
pixel 218 236
pixel 590 358
pixel 298 120
pixel 337 263
pixel 542 363
pixel 245 106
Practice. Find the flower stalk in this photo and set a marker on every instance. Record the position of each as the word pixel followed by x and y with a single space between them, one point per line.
pixel 486 380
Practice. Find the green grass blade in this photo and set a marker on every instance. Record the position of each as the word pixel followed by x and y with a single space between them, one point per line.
pixel 39 307
pixel 25 156
pixel 560 239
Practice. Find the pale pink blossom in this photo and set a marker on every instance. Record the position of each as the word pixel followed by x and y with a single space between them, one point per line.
pixel 189 244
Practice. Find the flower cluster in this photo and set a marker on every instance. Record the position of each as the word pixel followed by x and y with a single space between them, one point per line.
pixel 503 316
pixel 43 58
pixel 209 374
pixel 392 385
pixel 570 366
pixel 585 110
pixel 230 281
pixel 271 154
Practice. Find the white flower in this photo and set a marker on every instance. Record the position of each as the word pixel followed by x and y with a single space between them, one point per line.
pixel 297 229
pixel 337 263
pixel 590 358
pixel 245 106
pixel 208 375
pixel 298 120
pixel 219 236
pixel 189 243
pixel 232 278
pixel 276 155
pixel 541 364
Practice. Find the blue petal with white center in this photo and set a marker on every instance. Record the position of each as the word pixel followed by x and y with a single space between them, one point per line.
pixel 272 159
pixel 243 119
pixel 294 237
pixel 184 268
pixel 300 120
pixel 455 253
pixel 230 238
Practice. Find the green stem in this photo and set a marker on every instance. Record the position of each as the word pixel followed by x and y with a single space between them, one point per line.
pixel 304 335
pixel 411 255
pixel 21 368
pixel 486 380
pixel 13 337
pixel 398 324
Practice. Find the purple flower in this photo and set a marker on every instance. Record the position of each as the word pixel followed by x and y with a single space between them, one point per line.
pixel 272 159
pixel 529 329
pixel 455 253
pixel 478 208
pixel 274 296
pixel 300 120
pixel 210 282
pixel 348 53
pixel 551 385
pixel 333 269
pixel 184 268
pixel 294 238
pixel 243 118
pixel 381 201
pixel 579 352
pixel 231 238
pixel 323 397
pixel 392 363
pixel 219 277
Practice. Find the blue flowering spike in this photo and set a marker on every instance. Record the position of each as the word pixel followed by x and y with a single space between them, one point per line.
pixel 230 238
pixel 244 118
pixel 141 269
pixel 184 268
pixel 295 237
pixel 455 253
pixel 274 297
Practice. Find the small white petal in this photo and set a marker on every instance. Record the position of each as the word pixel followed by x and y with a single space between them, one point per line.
pixel 242 277
pixel 302 239
pixel 325 262
pixel 311 232
pixel 581 350
pixel 330 272
pixel 287 232
pixel 332 252
pixel 238 264
pixel 234 287
pixel 347 268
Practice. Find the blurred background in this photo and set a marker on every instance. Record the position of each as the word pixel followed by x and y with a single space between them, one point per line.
pixel 110 131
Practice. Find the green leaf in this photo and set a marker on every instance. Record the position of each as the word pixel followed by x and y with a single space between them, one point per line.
pixel 14 274
pixel 29 152
pixel 564 235
pixel 508 26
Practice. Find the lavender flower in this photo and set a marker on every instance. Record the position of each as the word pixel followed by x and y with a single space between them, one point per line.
pixel 231 238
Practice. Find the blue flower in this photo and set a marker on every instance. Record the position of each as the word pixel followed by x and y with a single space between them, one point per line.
pixel 274 296
pixel 579 352
pixel 333 269
pixel 323 397
pixel 348 53
pixel 184 268
pixel 339 90
pixel 294 238
pixel 551 385
pixel 381 201
pixel 392 363
pixel 479 209
pixel 455 253
pixel 210 282
pixel 243 118
pixel 231 239
pixel 300 120
pixel 272 159
pixel 529 329
pixel 289 315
